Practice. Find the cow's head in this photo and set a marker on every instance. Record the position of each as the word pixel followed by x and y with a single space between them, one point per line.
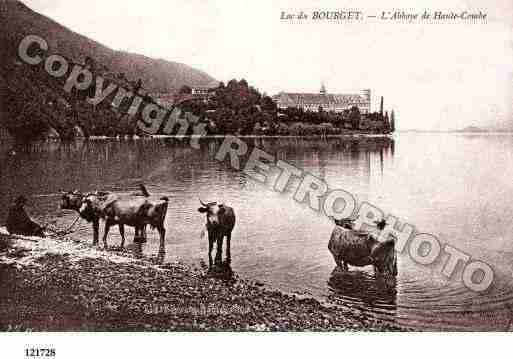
pixel 89 207
pixel 381 224
pixel 385 259
pixel 347 223
pixel 213 211
pixel 71 200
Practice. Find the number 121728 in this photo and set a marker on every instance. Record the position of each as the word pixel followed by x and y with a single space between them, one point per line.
pixel 39 352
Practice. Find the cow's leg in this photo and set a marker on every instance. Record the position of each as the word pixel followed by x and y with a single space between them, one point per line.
pixel 143 233
pixel 140 234
pixel 376 270
pixel 341 264
pixel 228 249
pixel 96 231
pixel 136 235
pixel 219 249
pixel 122 233
pixel 162 232
pixel 210 247
pixel 105 233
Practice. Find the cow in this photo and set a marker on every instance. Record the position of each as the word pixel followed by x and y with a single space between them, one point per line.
pixel 130 210
pixel 220 223
pixel 360 248
pixel 72 200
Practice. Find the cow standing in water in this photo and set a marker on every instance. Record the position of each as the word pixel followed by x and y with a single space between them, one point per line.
pixel 130 210
pixel 72 200
pixel 360 248
pixel 220 223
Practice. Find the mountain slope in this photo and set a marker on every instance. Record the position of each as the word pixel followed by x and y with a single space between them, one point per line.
pixel 33 103
pixel 17 20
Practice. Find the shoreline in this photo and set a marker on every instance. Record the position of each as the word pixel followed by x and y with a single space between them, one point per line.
pixel 67 285
pixel 157 137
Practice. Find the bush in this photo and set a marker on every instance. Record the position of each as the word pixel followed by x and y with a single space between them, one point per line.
pixel 5 242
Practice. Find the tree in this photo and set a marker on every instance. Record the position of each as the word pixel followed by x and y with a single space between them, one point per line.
pixel 185 90
pixel 232 84
pixel 268 105
pixel 244 84
pixel 354 117
pixel 387 122
pixel 89 63
pixel 138 86
pixel 392 121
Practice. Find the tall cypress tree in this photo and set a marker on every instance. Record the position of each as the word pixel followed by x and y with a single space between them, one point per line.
pixel 392 121
pixel 387 122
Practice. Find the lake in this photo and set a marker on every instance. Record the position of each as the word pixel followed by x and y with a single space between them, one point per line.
pixel 457 187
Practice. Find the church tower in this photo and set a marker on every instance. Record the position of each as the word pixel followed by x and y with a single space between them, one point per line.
pixel 323 89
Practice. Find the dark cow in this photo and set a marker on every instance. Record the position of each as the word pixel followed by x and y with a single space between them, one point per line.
pixel 19 222
pixel 72 200
pixel 220 223
pixel 360 248
pixel 130 210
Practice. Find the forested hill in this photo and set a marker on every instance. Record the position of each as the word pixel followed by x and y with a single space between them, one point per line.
pixel 157 75
pixel 25 94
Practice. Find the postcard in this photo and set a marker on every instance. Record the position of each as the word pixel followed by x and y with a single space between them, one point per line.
pixel 235 166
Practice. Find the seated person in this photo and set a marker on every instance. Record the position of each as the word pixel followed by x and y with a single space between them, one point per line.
pixel 18 221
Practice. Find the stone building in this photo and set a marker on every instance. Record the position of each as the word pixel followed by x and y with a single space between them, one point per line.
pixel 324 100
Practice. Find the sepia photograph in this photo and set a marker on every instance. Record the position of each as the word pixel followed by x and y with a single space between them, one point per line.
pixel 243 166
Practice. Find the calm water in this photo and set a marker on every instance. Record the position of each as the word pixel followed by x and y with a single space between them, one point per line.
pixel 457 187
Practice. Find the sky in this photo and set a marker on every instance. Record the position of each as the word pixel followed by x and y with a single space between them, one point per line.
pixel 436 76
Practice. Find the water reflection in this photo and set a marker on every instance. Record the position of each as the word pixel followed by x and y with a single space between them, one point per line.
pixel 366 291
pixel 430 181
pixel 222 271
pixel 279 241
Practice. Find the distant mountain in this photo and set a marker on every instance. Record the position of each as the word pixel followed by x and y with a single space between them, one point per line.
pixel 467 129
pixel 33 104
pixel 502 126
pixel 157 75
pixel 473 129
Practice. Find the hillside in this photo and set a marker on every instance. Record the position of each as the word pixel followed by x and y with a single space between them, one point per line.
pixel 33 102
pixel 473 129
pixel 158 75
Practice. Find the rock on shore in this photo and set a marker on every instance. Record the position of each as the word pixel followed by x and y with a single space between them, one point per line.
pixel 62 285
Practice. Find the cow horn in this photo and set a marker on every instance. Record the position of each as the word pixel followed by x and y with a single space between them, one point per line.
pixel 202 203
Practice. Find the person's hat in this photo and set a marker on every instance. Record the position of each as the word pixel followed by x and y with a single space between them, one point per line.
pixel 20 200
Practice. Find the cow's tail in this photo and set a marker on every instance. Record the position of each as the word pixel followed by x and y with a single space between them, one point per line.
pixel 145 192
pixel 143 189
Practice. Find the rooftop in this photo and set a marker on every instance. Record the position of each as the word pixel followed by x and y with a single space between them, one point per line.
pixel 316 98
